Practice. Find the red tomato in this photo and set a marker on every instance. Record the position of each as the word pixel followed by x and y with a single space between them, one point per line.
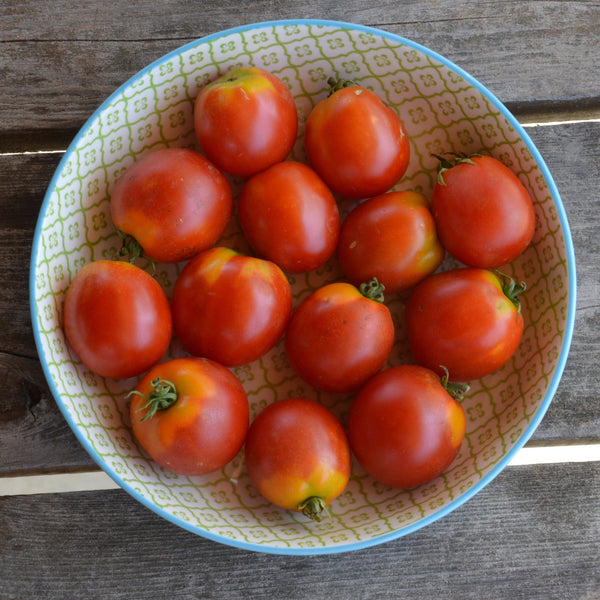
pixel 190 415
pixel 391 237
pixel 467 320
pixel 173 202
pixel 356 143
pixel 339 337
pixel 117 318
pixel 404 427
pixel 229 307
pixel 289 216
pixel 298 456
pixel 246 120
pixel 483 213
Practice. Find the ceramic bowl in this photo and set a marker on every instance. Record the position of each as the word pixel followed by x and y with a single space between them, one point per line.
pixel 444 110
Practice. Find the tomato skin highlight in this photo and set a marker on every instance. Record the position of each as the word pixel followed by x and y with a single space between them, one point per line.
pixel 117 318
pixel 392 237
pixel 173 202
pixel 484 215
pixel 230 307
pixel 207 425
pixel 404 428
pixel 297 449
pixel 337 338
pixel 463 321
pixel 289 216
pixel 356 143
pixel 246 120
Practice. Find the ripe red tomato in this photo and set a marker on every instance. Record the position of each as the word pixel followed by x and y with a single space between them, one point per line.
pixel 404 427
pixel 356 143
pixel 483 213
pixel 340 336
pixel 190 415
pixel 173 202
pixel 392 237
pixel 298 456
pixel 290 216
pixel 467 320
pixel 230 307
pixel 246 120
pixel 117 318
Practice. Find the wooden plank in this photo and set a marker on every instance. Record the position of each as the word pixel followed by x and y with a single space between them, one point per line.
pixel 57 70
pixel 532 534
pixel 35 437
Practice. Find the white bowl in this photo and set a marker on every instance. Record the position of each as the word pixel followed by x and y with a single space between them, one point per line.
pixel 443 109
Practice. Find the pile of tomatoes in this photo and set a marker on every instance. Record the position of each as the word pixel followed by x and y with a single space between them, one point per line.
pixel 191 414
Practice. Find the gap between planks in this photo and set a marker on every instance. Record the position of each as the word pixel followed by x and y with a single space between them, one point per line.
pixel 99 480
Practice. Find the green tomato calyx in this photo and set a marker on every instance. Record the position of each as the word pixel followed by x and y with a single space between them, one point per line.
pixel 161 397
pixel 447 163
pixel 456 389
pixel 512 290
pixel 373 290
pixel 339 84
pixel 313 508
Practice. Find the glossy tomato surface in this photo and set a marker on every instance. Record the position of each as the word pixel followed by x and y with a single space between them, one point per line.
pixel 190 415
pixel 173 202
pixel 392 237
pixel 483 213
pixel 404 427
pixel 467 320
pixel 298 456
pixel 289 216
pixel 117 318
pixel 245 120
pixel 230 307
pixel 356 143
pixel 338 338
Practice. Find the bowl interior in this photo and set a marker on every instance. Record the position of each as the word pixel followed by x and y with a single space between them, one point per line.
pixel 443 110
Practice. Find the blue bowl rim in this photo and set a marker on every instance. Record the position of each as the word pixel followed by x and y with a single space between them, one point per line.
pixel 493 473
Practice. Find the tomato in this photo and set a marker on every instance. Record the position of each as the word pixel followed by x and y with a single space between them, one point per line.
pixel 190 415
pixel 298 456
pixel 356 143
pixel 405 428
pixel 483 213
pixel 340 336
pixel 173 202
pixel 117 318
pixel 466 320
pixel 230 307
pixel 246 120
pixel 290 216
pixel 392 237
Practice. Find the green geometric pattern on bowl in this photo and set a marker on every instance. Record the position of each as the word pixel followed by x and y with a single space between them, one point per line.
pixel 442 111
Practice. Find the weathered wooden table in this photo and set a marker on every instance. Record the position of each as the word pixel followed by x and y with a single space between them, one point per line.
pixel 534 532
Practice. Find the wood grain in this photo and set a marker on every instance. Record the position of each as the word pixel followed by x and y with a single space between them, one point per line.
pixel 58 62
pixel 531 534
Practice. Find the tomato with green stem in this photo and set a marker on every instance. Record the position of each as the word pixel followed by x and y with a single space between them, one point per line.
pixel 340 336
pixel 484 215
pixel 190 415
pixel 356 143
pixel 406 426
pixel 466 320
pixel 170 205
pixel 298 456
